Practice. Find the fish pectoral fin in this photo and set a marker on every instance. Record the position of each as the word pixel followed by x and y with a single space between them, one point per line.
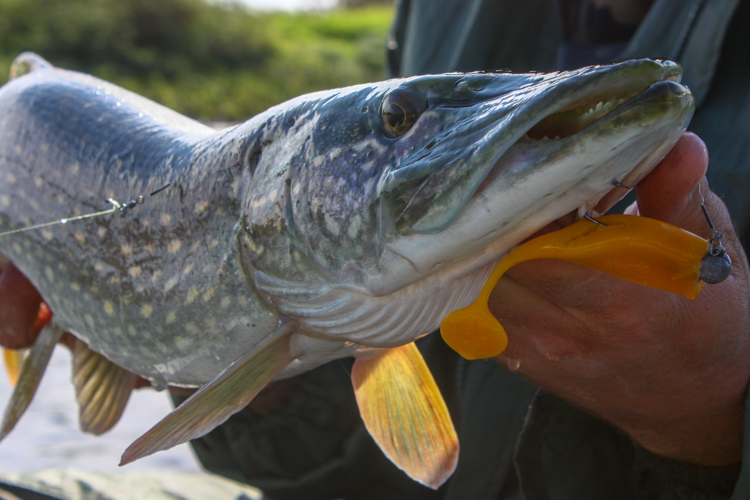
pixel 404 412
pixel 102 389
pixel 31 373
pixel 220 398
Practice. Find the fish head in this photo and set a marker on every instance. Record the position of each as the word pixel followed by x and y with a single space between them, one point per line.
pixel 389 183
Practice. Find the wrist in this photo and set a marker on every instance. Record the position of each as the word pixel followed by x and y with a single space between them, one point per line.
pixel 704 426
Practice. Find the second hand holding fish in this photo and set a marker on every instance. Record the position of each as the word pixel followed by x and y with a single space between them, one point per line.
pixel 669 371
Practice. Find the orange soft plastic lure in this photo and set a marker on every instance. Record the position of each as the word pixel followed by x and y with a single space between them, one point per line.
pixel 638 249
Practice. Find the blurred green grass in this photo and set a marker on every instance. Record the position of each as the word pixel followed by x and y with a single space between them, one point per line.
pixel 206 60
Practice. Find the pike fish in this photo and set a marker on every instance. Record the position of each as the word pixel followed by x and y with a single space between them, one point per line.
pixel 342 223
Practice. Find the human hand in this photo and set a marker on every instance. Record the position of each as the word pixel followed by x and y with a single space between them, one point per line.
pixel 670 372
pixel 22 312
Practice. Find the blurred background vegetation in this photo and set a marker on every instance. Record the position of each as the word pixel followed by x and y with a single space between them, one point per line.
pixel 212 61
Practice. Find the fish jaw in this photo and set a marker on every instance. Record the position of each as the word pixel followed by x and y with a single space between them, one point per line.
pixel 529 181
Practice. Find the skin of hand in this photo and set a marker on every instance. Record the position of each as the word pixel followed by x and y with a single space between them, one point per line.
pixel 22 314
pixel 670 372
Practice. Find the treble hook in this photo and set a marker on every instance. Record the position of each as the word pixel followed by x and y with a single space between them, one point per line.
pixel 615 183
pixel 589 218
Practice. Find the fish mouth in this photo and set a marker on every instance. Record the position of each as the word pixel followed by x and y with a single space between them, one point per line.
pixel 581 116
pixel 578 117
pixel 558 151
pixel 502 137
pixel 579 156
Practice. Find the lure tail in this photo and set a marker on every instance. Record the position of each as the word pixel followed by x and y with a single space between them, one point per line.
pixel 633 248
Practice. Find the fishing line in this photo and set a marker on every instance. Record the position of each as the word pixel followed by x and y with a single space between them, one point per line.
pixel 116 207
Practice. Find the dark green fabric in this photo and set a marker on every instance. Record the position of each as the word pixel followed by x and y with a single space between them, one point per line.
pixel 515 443
pixel 565 453
pixel 572 455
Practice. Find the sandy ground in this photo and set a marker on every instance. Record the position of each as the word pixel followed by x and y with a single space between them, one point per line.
pixel 48 437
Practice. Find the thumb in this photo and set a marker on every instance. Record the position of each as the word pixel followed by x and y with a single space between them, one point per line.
pixel 674 193
pixel 674 190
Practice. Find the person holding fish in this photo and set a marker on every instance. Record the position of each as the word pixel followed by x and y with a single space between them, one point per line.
pixel 607 389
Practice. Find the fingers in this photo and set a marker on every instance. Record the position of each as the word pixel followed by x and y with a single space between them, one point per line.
pixel 561 297
pixel 535 324
pixel 674 191
pixel 19 310
pixel 677 187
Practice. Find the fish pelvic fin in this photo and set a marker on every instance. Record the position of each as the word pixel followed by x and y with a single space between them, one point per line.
pixel 30 375
pixel 102 389
pixel 225 395
pixel 404 412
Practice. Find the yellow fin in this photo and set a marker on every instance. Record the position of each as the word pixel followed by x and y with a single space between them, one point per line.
pixel 633 248
pixel 31 374
pixel 404 412
pixel 13 362
pixel 102 389
pixel 219 399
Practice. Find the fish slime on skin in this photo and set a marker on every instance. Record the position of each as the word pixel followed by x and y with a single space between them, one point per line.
pixel 633 248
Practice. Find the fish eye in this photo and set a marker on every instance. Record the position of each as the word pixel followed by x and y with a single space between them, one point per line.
pixel 400 110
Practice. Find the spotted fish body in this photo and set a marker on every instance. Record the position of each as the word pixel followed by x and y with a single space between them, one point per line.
pixel 345 222
pixel 156 289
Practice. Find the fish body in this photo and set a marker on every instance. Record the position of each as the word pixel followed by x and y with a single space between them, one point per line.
pixel 346 222
pixel 157 290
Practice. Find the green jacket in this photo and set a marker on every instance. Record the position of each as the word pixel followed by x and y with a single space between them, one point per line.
pixel 516 442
